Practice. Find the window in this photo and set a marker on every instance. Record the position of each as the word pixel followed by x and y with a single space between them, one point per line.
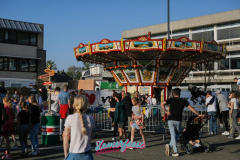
pixel 13 37
pixel 23 38
pixel 6 36
pixel 12 64
pixel 32 66
pixel 15 85
pixel 235 63
pixel 33 39
pixel 5 67
pixel 223 64
pixel 1 36
pixel 1 63
pixel 23 65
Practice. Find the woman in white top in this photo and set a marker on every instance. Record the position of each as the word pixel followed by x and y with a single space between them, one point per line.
pixel 154 100
pixel 78 128
pixel 233 114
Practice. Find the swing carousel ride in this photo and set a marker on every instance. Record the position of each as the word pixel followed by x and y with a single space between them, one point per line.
pixel 150 62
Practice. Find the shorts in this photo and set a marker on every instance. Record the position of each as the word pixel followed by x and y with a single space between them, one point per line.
pixel 80 156
pixel 63 111
pixel 122 125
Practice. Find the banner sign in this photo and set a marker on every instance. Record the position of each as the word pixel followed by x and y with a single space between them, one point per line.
pixel 107 85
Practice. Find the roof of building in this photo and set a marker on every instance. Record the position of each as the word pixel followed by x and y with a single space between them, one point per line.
pixel 195 22
pixel 19 25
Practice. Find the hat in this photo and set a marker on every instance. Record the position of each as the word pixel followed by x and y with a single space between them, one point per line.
pixel 218 91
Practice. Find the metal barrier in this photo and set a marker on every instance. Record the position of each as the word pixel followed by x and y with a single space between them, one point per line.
pixel 154 118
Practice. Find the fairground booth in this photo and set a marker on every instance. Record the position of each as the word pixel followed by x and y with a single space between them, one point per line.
pixel 150 65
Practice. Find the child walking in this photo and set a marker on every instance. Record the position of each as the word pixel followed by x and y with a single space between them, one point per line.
pixel 8 127
pixel 137 120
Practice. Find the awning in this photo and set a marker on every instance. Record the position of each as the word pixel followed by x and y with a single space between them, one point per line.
pixel 8 56
pixel 19 25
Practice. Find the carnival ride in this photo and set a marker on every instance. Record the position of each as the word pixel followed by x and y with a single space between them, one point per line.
pixel 150 62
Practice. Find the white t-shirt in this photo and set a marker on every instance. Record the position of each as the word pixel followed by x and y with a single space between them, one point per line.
pixel 154 101
pixel 80 143
pixel 235 103
pixel 149 100
pixel 136 111
pixel 212 107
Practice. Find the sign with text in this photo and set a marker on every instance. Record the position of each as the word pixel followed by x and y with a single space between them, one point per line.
pixel 107 85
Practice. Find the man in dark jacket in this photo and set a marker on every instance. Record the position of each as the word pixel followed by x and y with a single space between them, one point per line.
pixel 128 107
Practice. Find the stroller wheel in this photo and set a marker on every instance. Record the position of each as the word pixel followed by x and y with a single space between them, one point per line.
pixel 182 147
pixel 189 149
pixel 207 147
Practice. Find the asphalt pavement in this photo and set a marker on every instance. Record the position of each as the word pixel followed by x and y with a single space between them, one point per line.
pixel 222 149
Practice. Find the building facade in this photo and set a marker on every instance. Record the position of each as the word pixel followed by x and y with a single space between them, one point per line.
pixel 22 56
pixel 222 27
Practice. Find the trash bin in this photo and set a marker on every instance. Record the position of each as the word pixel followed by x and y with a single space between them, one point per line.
pixel 50 129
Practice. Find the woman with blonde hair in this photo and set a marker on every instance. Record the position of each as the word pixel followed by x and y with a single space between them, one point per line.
pixel 233 115
pixel 8 127
pixel 34 123
pixel 79 126
pixel 137 120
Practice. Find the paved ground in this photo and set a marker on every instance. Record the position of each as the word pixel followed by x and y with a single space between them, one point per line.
pixel 222 148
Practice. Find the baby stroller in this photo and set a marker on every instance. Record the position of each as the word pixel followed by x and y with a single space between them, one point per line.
pixel 189 139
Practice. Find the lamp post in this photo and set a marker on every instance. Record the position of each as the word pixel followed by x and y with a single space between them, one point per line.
pixel 168 33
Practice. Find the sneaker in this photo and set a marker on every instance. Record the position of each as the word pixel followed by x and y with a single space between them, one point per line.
pixel 221 125
pixel 112 128
pixel 167 151
pixel 175 154
pixel 23 155
pixel 225 133
pixel 238 137
pixel 114 138
pixel 231 137
pixel 7 156
pixel 130 148
pixel 210 133
pixel 34 153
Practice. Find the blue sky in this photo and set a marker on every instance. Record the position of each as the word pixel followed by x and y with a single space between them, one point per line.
pixel 70 22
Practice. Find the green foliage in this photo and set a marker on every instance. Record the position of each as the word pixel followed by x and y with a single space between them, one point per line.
pixel 52 63
pixel 74 72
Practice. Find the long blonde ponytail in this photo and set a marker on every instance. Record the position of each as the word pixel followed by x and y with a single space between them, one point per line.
pixel 80 104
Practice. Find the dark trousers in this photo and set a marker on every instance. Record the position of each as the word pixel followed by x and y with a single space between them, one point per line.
pixel 115 124
pixel 24 131
pixel 219 114
pixel 225 119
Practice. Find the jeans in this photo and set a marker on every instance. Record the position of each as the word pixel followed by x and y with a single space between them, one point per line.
pixel 62 122
pixel 34 137
pixel 80 156
pixel 213 121
pixel 23 135
pixel 225 119
pixel 234 122
pixel 175 130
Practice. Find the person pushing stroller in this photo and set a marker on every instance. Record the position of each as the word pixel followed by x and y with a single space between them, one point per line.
pixel 177 105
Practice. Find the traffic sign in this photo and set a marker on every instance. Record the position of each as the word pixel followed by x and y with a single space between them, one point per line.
pixel 45 76
pixel 47 83
pixel 49 71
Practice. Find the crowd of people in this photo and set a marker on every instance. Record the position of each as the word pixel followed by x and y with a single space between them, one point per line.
pixel 125 110
pixel 26 111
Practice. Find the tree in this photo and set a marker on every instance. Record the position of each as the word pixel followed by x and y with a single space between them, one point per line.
pixel 86 65
pixel 52 63
pixel 74 72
